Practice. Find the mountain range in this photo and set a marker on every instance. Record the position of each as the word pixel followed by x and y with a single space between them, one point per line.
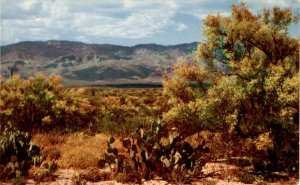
pixel 93 64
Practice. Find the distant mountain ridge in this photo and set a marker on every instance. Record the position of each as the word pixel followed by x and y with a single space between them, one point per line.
pixel 86 64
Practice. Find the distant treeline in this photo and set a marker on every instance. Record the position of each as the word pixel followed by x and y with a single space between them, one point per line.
pixel 140 85
pixel 158 85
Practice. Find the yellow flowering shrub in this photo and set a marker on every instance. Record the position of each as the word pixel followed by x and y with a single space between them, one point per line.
pixel 42 104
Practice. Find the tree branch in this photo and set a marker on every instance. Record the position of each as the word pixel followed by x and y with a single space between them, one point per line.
pixel 259 47
pixel 236 74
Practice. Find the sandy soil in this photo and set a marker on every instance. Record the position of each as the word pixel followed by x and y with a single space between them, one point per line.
pixel 217 174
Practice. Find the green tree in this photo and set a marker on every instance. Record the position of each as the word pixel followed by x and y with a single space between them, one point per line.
pixel 251 63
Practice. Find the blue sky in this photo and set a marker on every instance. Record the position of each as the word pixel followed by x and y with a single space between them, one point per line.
pixel 123 22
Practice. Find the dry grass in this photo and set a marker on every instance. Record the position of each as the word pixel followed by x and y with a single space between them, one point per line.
pixel 76 150
pixel 50 144
pixel 82 151
pixel 45 140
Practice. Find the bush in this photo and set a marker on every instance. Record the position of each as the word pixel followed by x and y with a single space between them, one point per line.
pixel 43 104
pixel 121 111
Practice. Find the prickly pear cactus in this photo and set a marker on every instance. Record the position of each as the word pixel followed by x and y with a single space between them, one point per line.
pixel 17 154
pixel 156 152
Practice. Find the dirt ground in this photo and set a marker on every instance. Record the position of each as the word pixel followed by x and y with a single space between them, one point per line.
pixel 217 174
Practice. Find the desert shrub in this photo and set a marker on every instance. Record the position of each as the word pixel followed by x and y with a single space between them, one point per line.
pixel 43 104
pixel 108 124
pixel 154 151
pixel 17 154
pixel 120 111
pixel 253 85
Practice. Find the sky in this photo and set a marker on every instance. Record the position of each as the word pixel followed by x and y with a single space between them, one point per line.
pixel 121 22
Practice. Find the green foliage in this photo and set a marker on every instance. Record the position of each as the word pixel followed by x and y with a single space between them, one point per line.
pixel 121 111
pixel 43 104
pixel 154 152
pixel 252 64
pixel 17 154
pixel 109 125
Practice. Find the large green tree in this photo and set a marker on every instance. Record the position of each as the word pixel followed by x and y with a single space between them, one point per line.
pixel 246 84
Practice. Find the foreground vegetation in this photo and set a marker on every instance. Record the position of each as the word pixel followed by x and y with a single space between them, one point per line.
pixel 242 107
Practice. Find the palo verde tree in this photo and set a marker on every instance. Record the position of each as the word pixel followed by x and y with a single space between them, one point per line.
pixel 250 63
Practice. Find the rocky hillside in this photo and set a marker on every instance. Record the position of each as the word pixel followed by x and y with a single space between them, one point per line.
pixel 87 64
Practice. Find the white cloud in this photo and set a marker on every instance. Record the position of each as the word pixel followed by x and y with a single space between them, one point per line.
pixel 201 8
pixel 137 25
pixel 141 19
pixel 202 15
pixel 56 9
pixel 28 4
pixel 86 20
pixel 181 27
pixel 146 4
pixel 258 4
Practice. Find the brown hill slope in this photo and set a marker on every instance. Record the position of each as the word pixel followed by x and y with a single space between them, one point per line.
pixel 86 64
